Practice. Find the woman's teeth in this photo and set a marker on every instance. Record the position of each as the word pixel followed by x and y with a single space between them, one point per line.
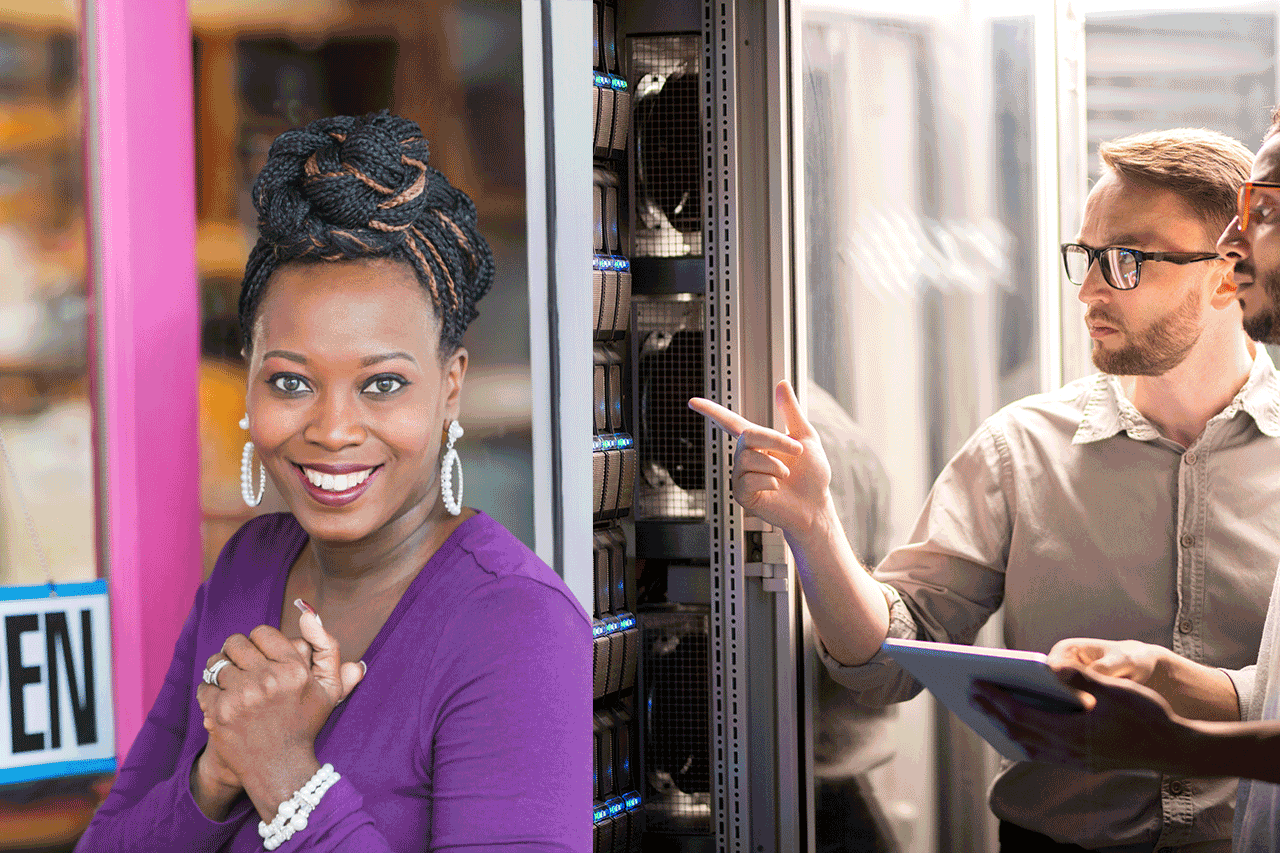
pixel 336 482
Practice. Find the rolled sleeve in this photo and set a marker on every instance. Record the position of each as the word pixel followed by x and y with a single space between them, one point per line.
pixel 1243 680
pixel 880 681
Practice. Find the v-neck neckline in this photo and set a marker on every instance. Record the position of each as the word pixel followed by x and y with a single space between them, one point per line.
pixel 452 543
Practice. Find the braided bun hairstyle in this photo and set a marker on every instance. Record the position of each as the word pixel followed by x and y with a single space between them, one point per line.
pixel 346 188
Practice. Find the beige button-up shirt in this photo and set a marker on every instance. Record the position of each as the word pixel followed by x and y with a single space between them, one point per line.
pixel 1071 510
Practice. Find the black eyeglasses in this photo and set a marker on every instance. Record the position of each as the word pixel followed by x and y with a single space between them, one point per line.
pixel 1121 268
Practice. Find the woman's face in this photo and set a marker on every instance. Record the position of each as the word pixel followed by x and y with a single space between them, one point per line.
pixel 347 397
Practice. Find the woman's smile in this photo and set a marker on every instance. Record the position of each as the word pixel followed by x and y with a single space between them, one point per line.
pixel 337 485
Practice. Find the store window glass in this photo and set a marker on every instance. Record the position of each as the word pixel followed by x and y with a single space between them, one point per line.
pixel 47 476
pixel 455 69
pixel 47 479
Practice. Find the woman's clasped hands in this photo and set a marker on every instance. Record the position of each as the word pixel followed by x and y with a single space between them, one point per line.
pixel 263 712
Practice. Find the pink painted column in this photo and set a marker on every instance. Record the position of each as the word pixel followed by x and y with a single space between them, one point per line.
pixel 140 164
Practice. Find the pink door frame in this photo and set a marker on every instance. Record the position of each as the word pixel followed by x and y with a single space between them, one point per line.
pixel 144 332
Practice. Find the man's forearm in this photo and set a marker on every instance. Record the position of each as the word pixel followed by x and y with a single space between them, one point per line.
pixel 1196 691
pixel 848 606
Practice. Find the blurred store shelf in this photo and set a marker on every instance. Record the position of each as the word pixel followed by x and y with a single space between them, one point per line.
pixel 299 17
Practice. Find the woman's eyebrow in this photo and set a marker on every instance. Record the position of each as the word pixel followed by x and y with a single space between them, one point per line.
pixel 281 353
pixel 386 356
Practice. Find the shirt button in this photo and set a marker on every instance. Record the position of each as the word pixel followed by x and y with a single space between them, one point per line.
pixel 1185 627
pixel 1188 540
pixel 1189 458
pixel 1175 788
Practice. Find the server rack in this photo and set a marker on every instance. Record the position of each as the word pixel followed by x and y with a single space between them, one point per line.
pixel 617 811
pixel 712 301
pixel 716 681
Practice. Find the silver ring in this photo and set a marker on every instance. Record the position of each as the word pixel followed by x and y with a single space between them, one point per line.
pixel 211 672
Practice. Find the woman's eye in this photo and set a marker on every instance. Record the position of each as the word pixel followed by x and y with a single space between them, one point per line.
pixel 385 384
pixel 288 383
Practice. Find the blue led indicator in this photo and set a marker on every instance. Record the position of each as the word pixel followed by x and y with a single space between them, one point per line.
pixel 603 80
pixel 618 83
pixel 600 814
pixel 615 805
pixel 633 800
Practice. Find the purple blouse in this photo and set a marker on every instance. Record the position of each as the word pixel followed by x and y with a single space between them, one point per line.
pixel 471 730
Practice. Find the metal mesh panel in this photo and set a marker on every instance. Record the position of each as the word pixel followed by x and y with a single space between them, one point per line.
pixel 667 118
pixel 677 736
pixel 670 368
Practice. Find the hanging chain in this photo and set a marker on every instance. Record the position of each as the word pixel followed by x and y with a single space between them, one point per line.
pixel 31 524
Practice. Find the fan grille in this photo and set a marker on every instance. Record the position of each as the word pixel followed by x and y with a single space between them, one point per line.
pixel 668 144
pixel 670 338
pixel 677 736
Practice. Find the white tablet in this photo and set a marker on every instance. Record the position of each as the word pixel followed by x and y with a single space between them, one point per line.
pixel 949 671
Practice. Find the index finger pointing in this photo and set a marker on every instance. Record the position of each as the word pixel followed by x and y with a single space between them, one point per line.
pixel 727 419
pixel 750 434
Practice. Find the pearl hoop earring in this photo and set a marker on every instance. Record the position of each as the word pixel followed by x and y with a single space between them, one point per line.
pixel 246 471
pixel 447 464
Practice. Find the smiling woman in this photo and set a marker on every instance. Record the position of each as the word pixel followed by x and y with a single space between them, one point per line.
pixel 380 718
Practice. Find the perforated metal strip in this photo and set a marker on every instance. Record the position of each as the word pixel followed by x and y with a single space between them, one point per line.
pixel 729 785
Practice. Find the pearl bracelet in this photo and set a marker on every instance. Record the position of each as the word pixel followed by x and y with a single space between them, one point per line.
pixel 292 816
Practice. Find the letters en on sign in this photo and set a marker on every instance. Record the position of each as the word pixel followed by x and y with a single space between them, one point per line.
pixel 56 717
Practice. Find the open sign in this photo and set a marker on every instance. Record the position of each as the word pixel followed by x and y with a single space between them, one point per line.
pixel 55 682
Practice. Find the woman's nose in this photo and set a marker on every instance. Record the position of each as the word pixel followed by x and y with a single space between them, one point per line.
pixel 335 423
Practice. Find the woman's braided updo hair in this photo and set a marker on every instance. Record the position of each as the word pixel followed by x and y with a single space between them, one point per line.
pixel 347 188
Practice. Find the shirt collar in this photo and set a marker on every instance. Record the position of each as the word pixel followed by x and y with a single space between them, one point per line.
pixel 1107 410
pixel 1260 396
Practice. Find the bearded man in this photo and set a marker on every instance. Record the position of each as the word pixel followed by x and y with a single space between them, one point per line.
pixel 1129 505
pixel 1142 700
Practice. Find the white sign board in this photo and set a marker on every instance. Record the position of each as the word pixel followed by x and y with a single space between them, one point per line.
pixel 56 716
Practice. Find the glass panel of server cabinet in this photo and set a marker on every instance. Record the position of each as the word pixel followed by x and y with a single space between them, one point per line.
pixel 920 156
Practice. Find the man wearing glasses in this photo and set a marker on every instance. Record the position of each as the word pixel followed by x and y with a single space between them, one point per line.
pixel 1155 726
pixel 1127 504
